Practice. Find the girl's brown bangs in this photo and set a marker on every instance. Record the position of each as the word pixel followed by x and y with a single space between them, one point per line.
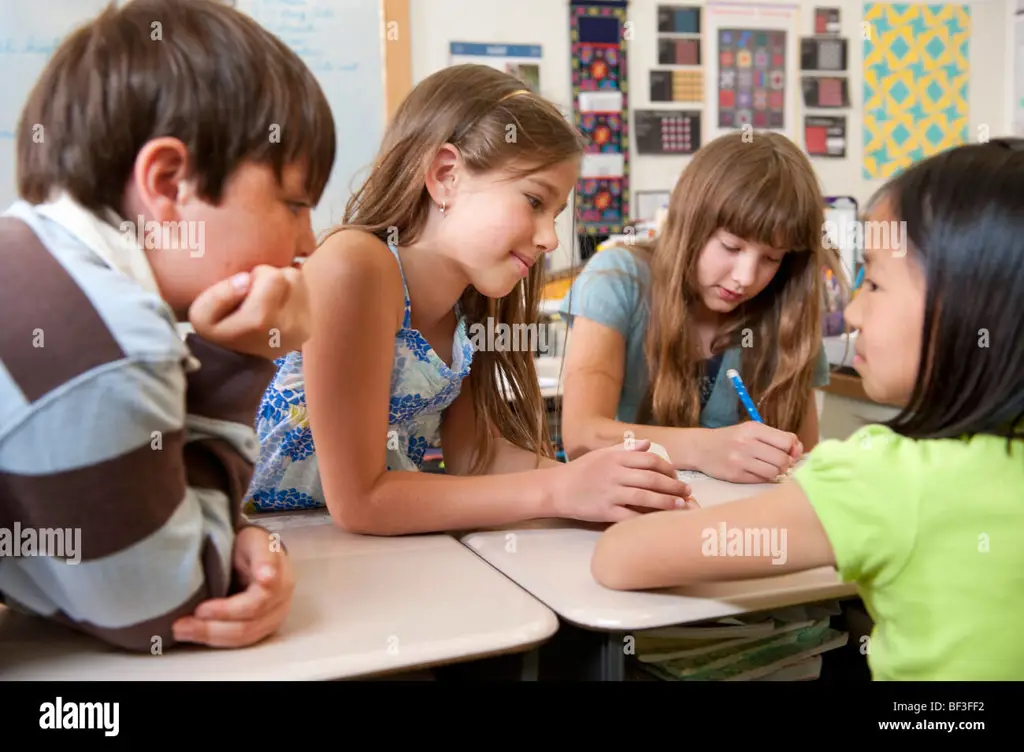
pixel 765 217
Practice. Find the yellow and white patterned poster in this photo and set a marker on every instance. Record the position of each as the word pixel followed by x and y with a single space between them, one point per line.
pixel 915 83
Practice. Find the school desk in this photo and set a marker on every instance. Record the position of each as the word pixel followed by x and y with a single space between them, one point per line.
pixel 363 606
pixel 551 560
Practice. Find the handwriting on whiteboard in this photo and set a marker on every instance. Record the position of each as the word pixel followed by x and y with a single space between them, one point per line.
pixel 300 25
pixel 30 46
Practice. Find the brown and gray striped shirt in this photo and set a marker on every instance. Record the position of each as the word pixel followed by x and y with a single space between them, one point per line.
pixel 108 439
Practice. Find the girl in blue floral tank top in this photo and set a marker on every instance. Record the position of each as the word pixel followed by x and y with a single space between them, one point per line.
pixel 422 386
pixel 471 174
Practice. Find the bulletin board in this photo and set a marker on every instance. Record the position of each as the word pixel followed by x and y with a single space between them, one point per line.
pixel 521 60
pixel 601 112
pixel 915 83
pixel 752 61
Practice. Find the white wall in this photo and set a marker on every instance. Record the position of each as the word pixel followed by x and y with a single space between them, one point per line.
pixel 436 23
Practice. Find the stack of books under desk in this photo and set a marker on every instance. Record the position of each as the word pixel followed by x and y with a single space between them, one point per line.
pixel 784 645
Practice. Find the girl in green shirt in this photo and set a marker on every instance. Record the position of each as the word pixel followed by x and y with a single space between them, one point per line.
pixel 926 513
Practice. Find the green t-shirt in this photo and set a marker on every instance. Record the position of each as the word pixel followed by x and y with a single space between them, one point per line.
pixel 932 533
pixel 611 290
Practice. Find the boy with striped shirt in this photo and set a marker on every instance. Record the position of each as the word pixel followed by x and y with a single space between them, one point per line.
pixel 156 196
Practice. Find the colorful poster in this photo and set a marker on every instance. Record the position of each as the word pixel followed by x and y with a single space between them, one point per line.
pixel 825 92
pixel 751 78
pixel 666 131
pixel 825 136
pixel 600 106
pixel 752 68
pixel 678 19
pixel 826 21
pixel 915 83
pixel 677 86
pixel 823 54
pixel 521 60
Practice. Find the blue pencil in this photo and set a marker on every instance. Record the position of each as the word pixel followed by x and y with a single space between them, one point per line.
pixel 860 278
pixel 741 390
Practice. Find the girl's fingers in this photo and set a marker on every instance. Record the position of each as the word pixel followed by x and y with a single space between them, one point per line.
pixel 652 481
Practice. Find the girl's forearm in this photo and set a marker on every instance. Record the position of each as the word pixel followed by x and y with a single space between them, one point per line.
pixel 403 503
pixel 684 445
pixel 508 458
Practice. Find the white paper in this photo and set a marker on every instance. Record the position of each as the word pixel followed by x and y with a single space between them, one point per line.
pixel 648 203
pixel 600 101
pixel 603 165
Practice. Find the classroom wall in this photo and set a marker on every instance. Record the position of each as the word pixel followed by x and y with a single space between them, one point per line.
pixel 437 23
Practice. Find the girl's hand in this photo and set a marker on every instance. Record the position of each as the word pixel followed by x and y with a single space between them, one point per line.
pixel 748 452
pixel 616 483
pixel 258 611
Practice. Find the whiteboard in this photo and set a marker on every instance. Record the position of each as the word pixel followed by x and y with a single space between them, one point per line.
pixel 340 40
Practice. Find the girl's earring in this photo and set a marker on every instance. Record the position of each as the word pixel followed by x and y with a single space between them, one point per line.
pixel 444 206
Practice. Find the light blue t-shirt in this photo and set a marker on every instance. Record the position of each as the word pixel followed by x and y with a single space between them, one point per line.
pixel 611 290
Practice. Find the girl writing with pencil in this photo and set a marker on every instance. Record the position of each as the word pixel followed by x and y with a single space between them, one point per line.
pixel 733 282
pixel 447 234
pixel 925 513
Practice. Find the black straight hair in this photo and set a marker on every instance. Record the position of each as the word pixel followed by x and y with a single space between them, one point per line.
pixel 964 214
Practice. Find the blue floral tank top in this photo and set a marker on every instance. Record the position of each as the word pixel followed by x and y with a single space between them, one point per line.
pixel 286 476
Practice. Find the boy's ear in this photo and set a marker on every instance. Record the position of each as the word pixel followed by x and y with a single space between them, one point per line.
pixel 161 178
pixel 442 174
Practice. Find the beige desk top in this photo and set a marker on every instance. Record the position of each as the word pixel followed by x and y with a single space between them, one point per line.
pixel 362 606
pixel 551 560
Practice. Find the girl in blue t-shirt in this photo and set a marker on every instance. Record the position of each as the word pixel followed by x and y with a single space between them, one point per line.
pixel 733 281
pixel 442 245
pixel 925 514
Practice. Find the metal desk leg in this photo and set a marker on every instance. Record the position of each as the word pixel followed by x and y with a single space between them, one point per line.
pixel 529 669
pixel 613 657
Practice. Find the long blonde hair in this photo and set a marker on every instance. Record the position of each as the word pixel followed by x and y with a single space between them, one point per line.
pixel 473 108
pixel 764 190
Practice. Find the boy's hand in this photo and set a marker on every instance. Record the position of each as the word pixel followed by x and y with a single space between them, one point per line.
pixel 264 312
pixel 255 613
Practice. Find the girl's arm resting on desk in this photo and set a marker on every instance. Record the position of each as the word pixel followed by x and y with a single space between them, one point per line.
pixel 595 366
pixel 670 549
pixel 357 299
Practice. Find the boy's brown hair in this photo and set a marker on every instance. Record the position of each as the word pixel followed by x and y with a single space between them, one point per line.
pixel 195 70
